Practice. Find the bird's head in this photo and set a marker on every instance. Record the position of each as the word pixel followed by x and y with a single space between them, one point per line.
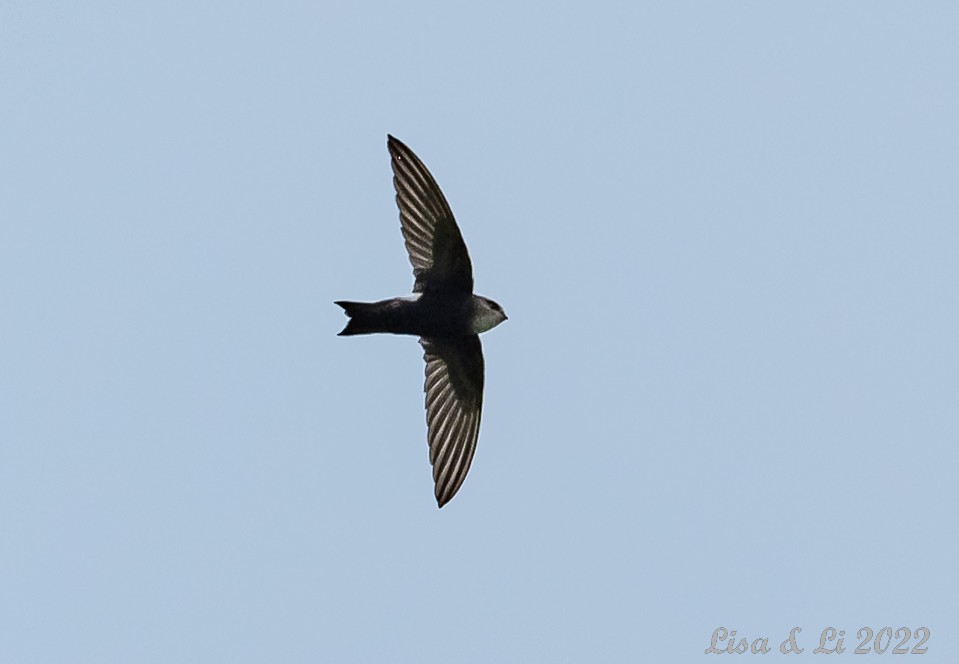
pixel 486 314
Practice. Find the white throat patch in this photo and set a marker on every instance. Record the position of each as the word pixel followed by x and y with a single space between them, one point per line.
pixel 484 316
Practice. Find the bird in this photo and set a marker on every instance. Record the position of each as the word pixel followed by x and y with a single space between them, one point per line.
pixel 443 312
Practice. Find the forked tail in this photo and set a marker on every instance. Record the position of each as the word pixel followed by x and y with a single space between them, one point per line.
pixel 362 318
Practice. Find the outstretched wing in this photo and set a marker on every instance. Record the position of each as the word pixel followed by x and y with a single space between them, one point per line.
pixel 454 403
pixel 433 240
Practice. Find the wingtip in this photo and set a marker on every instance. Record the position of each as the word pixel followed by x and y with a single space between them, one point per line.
pixel 443 499
pixel 395 145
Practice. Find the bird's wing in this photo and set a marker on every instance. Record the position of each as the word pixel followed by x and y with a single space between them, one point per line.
pixel 454 403
pixel 433 240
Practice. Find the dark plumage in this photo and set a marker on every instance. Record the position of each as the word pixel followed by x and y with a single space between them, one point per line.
pixel 443 312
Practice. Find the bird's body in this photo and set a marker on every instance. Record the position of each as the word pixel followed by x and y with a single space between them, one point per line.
pixel 422 315
pixel 444 312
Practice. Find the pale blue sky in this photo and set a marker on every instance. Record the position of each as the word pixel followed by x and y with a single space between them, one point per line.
pixel 727 395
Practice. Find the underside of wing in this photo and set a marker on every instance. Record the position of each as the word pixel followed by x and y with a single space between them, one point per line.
pixel 454 404
pixel 433 240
